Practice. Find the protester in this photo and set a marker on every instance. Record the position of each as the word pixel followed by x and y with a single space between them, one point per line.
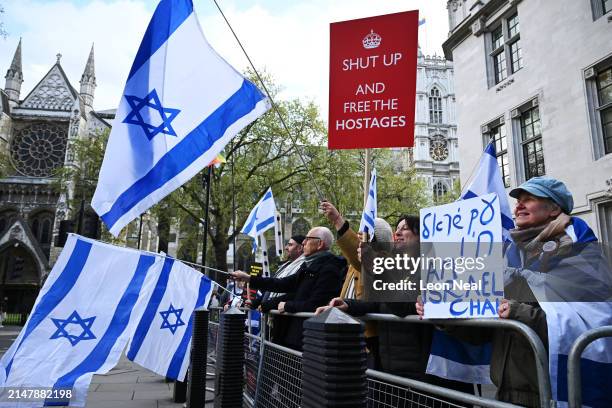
pixel 294 258
pixel 318 280
pixel 404 348
pixel 348 242
pixel 543 245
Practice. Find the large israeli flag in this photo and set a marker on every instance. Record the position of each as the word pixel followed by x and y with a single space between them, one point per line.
pixel 452 358
pixel 162 339
pixel 81 320
pixel 261 218
pixel 181 105
pixel 370 211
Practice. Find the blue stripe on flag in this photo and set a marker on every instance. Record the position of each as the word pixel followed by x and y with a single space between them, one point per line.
pixel 64 283
pixel 194 145
pixel 177 360
pixel 596 382
pixel 368 219
pixel 169 14
pixel 149 313
pixel 460 351
pixel 118 323
pixel 264 223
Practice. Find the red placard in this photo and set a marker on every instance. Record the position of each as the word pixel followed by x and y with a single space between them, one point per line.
pixel 372 81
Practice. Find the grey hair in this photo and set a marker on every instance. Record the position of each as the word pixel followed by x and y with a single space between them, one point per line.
pixel 325 234
pixel 551 205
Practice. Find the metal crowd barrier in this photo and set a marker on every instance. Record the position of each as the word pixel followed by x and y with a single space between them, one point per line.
pixel 273 372
pixel 574 381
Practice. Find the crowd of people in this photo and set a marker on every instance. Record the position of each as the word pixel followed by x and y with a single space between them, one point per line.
pixel 314 279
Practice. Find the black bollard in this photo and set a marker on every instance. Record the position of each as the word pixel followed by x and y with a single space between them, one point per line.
pixel 196 386
pixel 334 362
pixel 229 378
pixel 179 393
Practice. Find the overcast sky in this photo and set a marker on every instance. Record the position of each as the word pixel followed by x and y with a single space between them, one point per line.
pixel 287 38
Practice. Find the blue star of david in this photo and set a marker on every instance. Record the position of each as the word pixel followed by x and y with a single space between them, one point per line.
pixel 166 324
pixel 74 318
pixel 150 103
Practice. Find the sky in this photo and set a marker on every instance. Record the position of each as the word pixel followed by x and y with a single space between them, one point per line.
pixel 288 39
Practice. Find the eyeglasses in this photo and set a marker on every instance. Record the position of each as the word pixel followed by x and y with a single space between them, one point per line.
pixel 307 238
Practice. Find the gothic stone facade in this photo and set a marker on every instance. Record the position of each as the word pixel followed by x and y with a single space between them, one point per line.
pixel 35 137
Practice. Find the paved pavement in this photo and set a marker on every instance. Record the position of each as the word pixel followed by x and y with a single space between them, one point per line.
pixel 126 386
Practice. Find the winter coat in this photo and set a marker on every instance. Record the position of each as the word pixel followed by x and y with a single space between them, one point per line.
pixel 314 285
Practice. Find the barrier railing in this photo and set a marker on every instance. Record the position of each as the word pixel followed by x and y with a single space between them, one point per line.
pixel 574 381
pixel 273 372
pixel 539 351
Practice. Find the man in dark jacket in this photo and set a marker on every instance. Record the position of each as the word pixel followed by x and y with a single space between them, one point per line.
pixel 318 280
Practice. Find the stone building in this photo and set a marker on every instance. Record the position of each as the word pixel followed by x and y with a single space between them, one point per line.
pixel 536 76
pixel 36 131
pixel 435 156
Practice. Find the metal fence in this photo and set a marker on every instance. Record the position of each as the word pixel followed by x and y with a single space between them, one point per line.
pixel 574 383
pixel 273 372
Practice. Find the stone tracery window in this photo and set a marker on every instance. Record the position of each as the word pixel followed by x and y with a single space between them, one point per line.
pixel 7 217
pixel 439 190
pixel 38 149
pixel 435 106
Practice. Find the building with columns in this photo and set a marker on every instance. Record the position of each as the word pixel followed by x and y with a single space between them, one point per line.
pixel 36 132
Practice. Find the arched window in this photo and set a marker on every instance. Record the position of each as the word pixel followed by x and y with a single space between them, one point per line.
pixel 41 224
pixel 7 217
pixel 435 106
pixel 439 190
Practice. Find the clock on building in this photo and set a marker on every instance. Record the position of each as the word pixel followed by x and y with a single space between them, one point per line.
pixel 438 149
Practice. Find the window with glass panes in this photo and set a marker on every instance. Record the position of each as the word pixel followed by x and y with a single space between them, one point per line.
pixel 531 143
pixel 506 52
pixel 498 54
pixel 607 5
pixel 604 94
pixel 499 139
pixel 435 106
pixel 439 190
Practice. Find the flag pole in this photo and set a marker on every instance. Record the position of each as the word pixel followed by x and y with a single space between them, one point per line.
pixel 206 181
pixel 367 172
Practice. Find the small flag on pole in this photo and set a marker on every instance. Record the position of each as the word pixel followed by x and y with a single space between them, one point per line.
pixel 261 218
pixel 421 21
pixel 162 340
pixel 181 105
pixel 369 212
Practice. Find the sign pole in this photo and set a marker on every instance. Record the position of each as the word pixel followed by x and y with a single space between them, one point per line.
pixel 367 172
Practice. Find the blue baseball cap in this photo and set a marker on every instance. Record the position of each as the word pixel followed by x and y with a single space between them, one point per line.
pixel 547 187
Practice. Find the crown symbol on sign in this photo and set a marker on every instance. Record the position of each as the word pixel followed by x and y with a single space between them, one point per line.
pixel 371 40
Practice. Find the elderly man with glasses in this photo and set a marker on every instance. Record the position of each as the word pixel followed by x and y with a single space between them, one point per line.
pixel 318 281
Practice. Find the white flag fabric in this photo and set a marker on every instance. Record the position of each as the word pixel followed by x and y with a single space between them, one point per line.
pixel 261 217
pixel 162 340
pixel 370 211
pixel 81 320
pixel 181 105
pixel 488 179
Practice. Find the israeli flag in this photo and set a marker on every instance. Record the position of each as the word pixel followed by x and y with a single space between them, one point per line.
pixel 487 179
pixel 80 322
pixel 261 218
pixel 369 212
pixel 181 105
pixel 566 318
pixel 452 358
pixel 162 339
